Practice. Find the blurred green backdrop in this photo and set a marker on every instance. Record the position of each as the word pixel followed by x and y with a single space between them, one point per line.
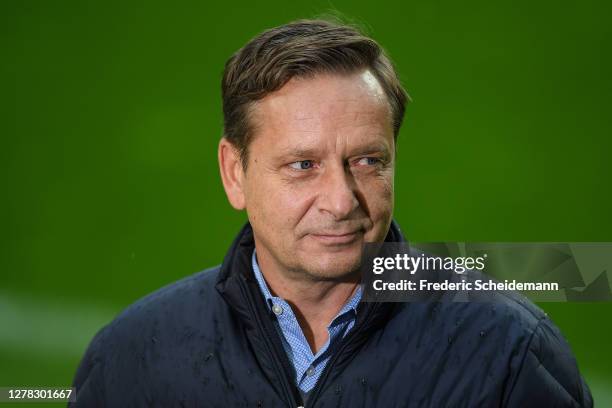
pixel 111 115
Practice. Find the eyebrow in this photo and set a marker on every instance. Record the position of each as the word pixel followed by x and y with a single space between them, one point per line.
pixel 300 152
pixel 370 149
pixel 309 152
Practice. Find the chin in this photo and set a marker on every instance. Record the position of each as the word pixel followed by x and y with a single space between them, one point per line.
pixel 333 265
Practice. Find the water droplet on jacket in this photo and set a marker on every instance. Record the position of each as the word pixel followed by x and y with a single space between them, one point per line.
pixel 450 339
pixel 482 333
pixel 208 356
pixel 363 381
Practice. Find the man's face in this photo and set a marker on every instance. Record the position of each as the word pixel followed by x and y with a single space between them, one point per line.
pixel 319 180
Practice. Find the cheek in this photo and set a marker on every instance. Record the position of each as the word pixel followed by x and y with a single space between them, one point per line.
pixel 379 199
pixel 277 204
pixel 378 195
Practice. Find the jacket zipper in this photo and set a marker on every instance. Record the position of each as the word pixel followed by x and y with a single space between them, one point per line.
pixel 319 385
pixel 279 369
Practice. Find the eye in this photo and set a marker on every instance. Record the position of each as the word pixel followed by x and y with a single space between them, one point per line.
pixel 368 161
pixel 302 165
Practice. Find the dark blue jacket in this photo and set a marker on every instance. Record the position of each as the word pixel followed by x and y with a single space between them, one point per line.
pixel 209 341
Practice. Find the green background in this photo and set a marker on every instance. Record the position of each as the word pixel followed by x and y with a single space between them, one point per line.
pixel 111 114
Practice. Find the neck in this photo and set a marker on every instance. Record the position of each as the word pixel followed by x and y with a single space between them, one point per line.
pixel 314 302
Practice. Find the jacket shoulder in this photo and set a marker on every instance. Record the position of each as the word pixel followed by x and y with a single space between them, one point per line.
pixel 507 342
pixel 548 373
pixel 168 307
pixel 157 317
pixel 543 370
pixel 199 285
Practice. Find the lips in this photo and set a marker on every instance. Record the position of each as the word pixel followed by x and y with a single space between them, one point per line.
pixel 336 238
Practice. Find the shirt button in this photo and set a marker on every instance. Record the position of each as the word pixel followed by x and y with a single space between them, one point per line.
pixel 310 372
pixel 277 309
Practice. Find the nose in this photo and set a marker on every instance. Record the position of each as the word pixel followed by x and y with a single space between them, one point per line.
pixel 338 193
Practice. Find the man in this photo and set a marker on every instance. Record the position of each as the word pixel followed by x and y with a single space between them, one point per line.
pixel 312 110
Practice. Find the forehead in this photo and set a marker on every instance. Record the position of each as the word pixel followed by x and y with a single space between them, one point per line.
pixel 331 105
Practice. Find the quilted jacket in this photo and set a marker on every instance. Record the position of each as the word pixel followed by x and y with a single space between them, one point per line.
pixel 209 341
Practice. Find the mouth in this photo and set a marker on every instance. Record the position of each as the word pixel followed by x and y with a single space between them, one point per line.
pixel 337 238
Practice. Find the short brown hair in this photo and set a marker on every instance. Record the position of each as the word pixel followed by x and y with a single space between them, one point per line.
pixel 299 49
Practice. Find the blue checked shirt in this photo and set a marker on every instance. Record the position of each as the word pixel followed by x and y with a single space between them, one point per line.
pixel 308 366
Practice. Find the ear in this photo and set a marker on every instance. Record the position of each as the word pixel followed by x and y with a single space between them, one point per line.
pixel 232 174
